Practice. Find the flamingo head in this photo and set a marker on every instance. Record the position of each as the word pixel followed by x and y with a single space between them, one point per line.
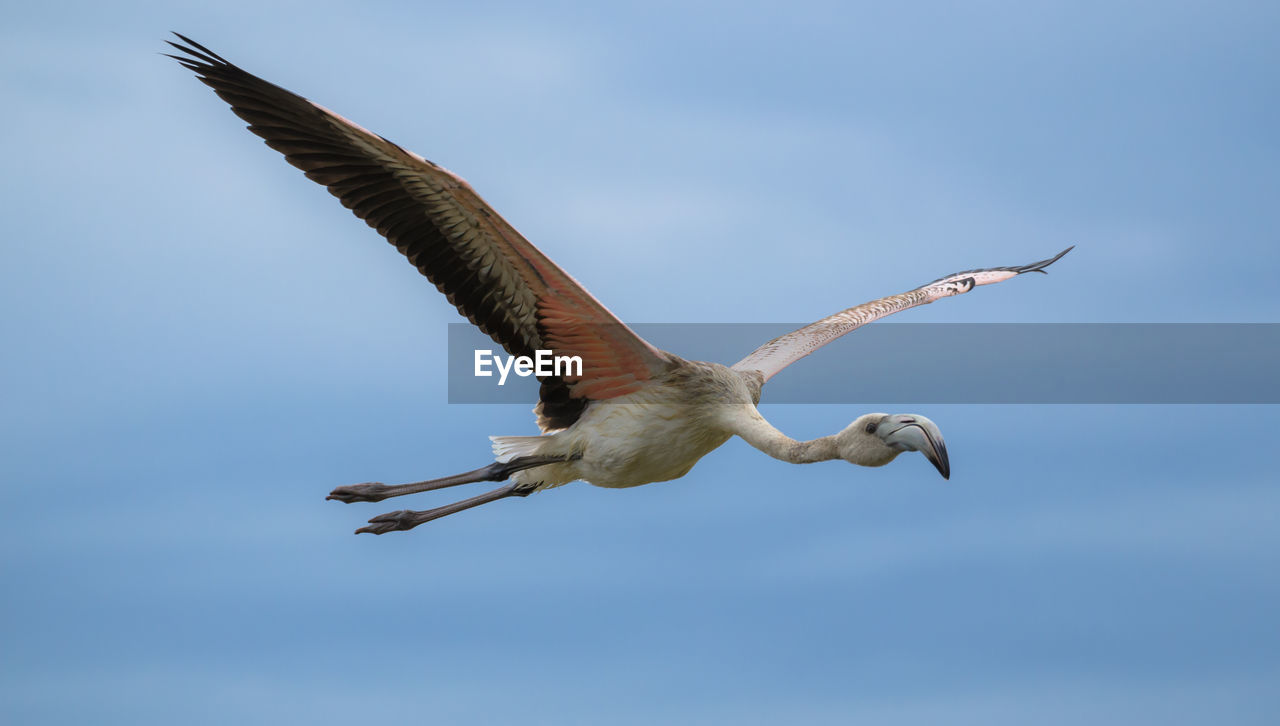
pixel 875 439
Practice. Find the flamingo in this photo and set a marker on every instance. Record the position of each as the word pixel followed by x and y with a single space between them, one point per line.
pixel 636 414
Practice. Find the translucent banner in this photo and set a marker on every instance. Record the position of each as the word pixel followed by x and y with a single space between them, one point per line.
pixel 948 363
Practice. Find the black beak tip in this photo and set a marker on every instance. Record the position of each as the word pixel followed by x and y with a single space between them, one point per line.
pixel 943 463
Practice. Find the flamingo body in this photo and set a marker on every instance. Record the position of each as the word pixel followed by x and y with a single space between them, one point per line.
pixel 635 414
pixel 655 434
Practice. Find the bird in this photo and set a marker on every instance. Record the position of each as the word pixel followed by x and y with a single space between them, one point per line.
pixel 633 414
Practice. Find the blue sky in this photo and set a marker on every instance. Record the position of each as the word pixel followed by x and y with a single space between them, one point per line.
pixel 200 344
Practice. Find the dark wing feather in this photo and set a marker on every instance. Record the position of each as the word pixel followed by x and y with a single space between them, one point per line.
pixel 493 275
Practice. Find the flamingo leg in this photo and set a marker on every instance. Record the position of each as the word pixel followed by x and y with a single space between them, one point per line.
pixel 497 471
pixel 407 519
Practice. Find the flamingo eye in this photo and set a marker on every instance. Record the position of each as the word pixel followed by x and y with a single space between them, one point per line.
pixel 871 427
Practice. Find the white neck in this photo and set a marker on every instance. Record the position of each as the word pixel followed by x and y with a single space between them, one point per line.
pixel 751 426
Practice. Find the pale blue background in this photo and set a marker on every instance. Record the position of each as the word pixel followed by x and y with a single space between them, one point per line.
pixel 199 344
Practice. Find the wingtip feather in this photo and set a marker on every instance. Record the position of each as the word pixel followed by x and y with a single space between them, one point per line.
pixel 1039 266
pixel 193 52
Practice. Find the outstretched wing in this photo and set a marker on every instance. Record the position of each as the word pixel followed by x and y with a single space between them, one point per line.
pixel 781 352
pixel 493 275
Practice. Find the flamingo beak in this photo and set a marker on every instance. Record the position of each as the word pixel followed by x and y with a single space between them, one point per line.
pixel 911 432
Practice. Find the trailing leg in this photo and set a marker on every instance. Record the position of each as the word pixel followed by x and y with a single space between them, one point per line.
pixel 497 471
pixel 406 519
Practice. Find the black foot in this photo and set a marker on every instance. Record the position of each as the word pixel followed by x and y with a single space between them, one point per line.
pixel 370 492
pixel 392 522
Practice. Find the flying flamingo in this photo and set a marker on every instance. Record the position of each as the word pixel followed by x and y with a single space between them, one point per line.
pixel 636 414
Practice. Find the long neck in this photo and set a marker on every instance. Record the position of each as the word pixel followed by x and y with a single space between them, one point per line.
pixel 751 426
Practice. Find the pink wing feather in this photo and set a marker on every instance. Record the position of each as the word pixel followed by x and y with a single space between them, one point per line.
pixel 781 352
